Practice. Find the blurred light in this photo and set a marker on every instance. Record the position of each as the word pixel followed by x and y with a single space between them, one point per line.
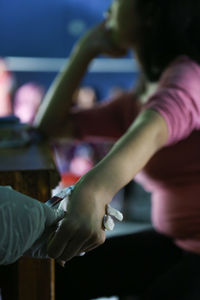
pixel 43 64
pixel 76 27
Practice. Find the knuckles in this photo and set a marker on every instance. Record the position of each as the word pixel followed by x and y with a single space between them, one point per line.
pixel 98 238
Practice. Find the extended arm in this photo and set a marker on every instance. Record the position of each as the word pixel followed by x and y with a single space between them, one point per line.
pixel 131 152
pixel 53 110
pixel 82 228
pixel 51 118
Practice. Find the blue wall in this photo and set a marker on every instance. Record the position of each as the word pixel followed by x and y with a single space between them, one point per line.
pixel 49 28
pixel 43 27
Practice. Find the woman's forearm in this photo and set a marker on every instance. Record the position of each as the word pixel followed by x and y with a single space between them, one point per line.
pixel 53 110
pixel 52 114
pixel 131 153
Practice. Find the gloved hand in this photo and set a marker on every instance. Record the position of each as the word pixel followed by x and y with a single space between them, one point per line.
pixel 23 221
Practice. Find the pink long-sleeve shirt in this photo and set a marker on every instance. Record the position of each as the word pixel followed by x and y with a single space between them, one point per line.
pixel 173 173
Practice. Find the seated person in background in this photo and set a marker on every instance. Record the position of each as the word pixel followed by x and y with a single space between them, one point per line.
pixel 27 99
pixel 158 139
pixel 85 97
pixel 6 89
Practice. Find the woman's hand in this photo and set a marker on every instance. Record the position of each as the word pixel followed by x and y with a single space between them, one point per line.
pixel 82 228
pixel 101 40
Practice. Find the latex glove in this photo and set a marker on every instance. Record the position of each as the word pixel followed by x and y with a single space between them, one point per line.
pixel 23 220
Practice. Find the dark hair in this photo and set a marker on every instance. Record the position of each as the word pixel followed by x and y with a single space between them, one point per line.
pixel 171 28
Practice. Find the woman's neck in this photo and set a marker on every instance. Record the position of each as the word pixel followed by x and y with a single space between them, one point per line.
pixel 144 89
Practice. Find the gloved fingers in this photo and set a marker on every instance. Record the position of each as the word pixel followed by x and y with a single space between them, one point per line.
pixel 108 222
pixel 53 216
pixel 114 213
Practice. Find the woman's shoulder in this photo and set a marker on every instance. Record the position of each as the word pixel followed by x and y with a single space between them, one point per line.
pixel 182 72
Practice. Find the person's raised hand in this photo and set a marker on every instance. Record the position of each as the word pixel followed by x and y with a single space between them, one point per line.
pixel 101 40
